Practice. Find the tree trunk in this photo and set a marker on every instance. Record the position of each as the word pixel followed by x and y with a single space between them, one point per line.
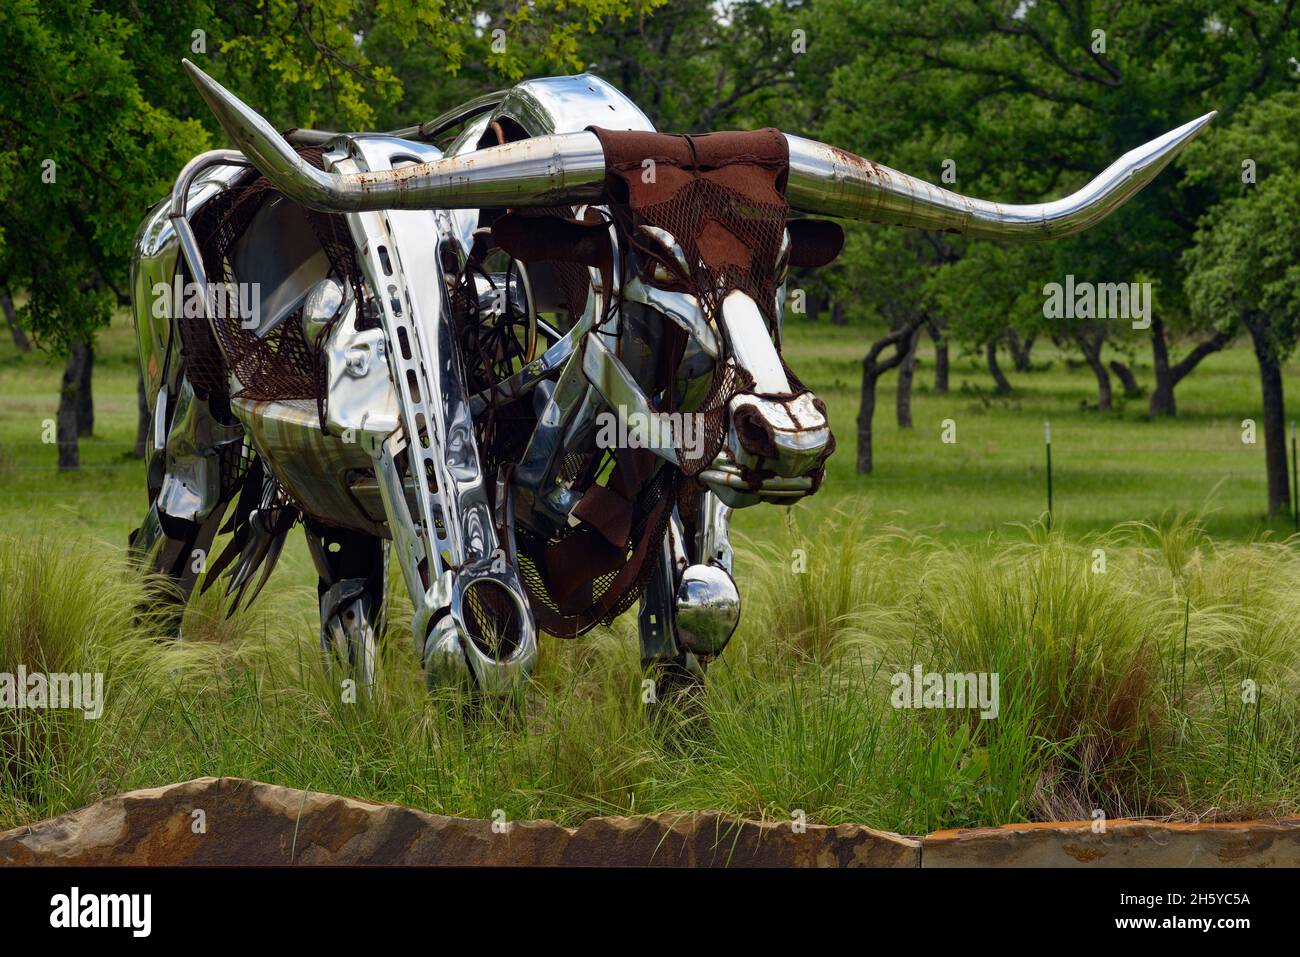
pixel 866 410
pixel 11 317
pixel 837 314
pixel 1125 375
pixel 1167 376
pixel 1091 347
pixel 1162 396
pixel 1000 384
pixel 1020 351
pixel 872 370
pixel 940 358
pixel 1270 386
pixel 142 418
pixel 906 375
pixel 812 304
pixel 85 397
pixel 69 405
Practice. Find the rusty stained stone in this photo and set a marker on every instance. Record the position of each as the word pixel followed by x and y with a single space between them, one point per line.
pixel 248 822
pixel 710 839
pixel 1125 843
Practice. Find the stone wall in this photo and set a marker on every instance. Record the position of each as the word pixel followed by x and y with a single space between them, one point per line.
pixel 234 821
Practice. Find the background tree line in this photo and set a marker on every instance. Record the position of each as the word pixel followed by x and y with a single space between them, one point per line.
pixel 1019 101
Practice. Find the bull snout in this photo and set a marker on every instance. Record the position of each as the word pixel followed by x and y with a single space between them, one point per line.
pixel 787 437
pixel 775 451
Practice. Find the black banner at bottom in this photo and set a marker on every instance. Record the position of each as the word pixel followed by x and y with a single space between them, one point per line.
pixel 336 905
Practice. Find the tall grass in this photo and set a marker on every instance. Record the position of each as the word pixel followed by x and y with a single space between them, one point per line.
pixel 1121 691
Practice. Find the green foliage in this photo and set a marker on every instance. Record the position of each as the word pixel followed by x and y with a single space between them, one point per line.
pixel 83 152
pixel 1245 264
pixel 1120 691
pixel 97 89
pixel 1028 106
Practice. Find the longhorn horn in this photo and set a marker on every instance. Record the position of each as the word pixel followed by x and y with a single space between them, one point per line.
pixel 831 182
pixel 558 170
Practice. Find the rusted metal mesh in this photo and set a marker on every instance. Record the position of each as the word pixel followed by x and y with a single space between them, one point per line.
pixel 576 580
pixel 575 283
pixel 281 365
pixel 711 418
pixel 721 196
pixel 573 278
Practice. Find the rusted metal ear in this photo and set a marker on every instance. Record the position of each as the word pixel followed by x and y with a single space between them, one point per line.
pixel 814 242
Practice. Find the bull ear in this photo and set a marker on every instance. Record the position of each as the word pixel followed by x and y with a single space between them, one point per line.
pixel 814 242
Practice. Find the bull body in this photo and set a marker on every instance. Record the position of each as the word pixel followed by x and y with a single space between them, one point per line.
pixel 537 366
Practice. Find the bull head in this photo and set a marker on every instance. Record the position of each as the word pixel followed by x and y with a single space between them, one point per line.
pixel 776 433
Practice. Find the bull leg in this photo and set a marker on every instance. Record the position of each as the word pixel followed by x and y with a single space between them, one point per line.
pixel 691 606
pixel 708 602
pixel 662 654
pixel 189 495
pixel 352 569
pixel 471 614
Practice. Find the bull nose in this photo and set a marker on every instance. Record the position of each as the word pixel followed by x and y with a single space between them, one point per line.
pixel 788 436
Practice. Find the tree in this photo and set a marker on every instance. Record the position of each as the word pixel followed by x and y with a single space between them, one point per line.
pixel 1245 265
pixel 96 119
pixel 989 293
pixel 1029 100
pixel 873 367
pixel 83 155
pixel 881 274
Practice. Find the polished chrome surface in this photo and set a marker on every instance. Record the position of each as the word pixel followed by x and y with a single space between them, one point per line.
pixel 452 528
pixel 316 468
pixel 445 664
pixel 707 609
pixel 568 104
pixel 360 401
pixel 281 259
pixel 832 182
pixel 323 303
pixel 542 171
pixel 395 455
pixel 191 484
pixel 797 430
pixel 452 118
pixel 621 392
pixel 751 344
pixel 348 633
pixel 713 537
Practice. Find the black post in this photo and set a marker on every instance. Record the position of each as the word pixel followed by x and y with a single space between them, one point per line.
pixel 1295 480
pixel 1047 432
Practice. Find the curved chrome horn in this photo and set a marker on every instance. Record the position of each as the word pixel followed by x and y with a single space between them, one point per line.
pixel 831 182
pixel 558 170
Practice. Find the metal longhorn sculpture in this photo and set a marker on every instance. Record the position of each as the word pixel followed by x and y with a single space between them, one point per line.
pixel 540 367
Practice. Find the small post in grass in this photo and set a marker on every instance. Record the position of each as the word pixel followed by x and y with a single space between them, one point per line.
pixel 1295 479
pixel 1047 433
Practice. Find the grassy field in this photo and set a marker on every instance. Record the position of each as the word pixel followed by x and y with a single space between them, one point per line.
pixel 1165 685
pixel 1107 469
